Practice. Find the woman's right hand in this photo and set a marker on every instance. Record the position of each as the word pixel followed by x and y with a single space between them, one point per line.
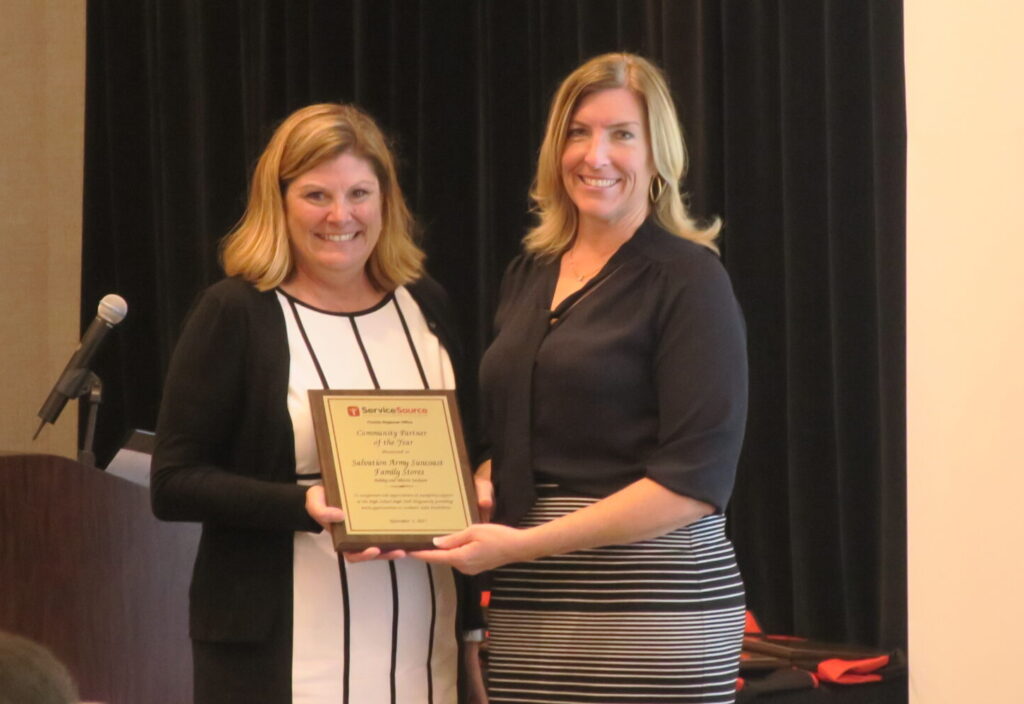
pixel 317 508
pixel 484 490
pixel 319 511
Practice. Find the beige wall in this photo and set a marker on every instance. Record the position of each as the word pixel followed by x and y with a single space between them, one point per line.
pixel 42 81
pixel 965 298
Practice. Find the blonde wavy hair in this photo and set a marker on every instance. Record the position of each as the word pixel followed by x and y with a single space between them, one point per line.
pixel 554 234
pixel 258 250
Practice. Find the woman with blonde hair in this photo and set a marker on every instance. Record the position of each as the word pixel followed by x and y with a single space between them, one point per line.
pixel 614 397
pixel 325 289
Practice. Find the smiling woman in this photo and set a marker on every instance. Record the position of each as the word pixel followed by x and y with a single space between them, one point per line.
pixel 336 159
pixel 334 221
pixel 606 165
pixel 615 395
pixel 326 289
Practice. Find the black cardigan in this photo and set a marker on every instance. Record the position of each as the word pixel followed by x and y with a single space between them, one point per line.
pixel 225 455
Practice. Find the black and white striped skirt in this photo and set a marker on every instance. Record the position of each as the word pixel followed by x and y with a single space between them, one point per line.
pixel 650 622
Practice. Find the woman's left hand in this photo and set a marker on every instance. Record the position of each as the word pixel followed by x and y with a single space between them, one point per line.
pixel 481 547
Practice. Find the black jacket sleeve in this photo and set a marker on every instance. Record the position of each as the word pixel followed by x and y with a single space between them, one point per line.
pixel 219 458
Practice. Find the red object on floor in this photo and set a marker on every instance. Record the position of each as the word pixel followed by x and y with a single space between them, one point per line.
pixel 852 671
pixel 752 627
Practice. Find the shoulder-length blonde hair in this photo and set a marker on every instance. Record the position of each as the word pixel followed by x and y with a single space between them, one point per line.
pixel 258 250
pixel 554 233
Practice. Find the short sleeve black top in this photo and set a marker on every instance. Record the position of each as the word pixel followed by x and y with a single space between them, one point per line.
pixel 641 373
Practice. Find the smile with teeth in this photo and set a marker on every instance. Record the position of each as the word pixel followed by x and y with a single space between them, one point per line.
pixel 598 182
pixel 337 238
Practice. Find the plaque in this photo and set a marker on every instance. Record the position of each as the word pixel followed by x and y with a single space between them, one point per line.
pixel 396 463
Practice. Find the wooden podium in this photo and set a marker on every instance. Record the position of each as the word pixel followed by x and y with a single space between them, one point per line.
pixel 86 570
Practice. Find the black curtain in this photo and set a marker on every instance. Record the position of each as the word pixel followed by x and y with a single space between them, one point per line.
pixel 794 116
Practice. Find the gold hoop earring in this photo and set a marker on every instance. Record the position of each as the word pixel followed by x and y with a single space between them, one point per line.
pixel 661 185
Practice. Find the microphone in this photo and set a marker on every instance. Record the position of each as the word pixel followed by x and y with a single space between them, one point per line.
pixel 110 312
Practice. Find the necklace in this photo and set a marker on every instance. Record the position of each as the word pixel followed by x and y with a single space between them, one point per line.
pixel 581 278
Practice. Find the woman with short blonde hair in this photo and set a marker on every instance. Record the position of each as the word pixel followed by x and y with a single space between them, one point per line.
pixel 325 290
pixel 257 249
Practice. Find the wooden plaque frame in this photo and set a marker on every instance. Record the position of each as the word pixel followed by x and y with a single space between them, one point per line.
pixel 395 461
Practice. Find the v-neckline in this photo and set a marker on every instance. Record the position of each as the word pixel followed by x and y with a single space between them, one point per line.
pixel 614 263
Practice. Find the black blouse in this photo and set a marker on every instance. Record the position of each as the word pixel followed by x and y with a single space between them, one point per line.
pixel 641 373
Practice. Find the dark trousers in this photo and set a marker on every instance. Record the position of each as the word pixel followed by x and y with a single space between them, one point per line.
pixel 243 673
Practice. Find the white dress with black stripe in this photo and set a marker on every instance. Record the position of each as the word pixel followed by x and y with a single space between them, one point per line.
pixel 380 631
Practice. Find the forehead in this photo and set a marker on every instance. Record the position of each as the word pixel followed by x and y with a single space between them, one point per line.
pixel 347 167
pixel 611 106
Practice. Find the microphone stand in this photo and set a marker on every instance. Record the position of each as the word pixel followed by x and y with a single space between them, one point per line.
pixel 94 387
pixel 77 383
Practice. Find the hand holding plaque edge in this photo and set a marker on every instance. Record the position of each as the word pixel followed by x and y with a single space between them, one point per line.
pixel 319 511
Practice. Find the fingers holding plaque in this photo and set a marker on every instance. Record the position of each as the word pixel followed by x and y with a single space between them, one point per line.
pixel 396 463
